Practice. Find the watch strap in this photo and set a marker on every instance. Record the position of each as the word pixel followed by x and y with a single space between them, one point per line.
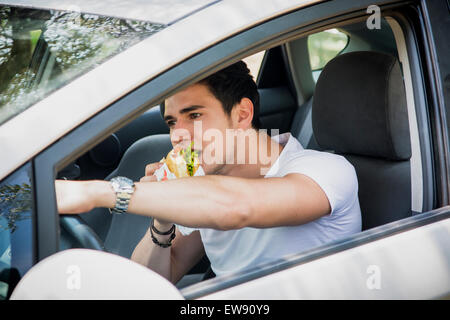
pixel 122 202
pixel 123 194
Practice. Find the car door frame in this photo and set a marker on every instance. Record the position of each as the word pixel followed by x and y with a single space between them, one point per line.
pixel 264 36
pixel 434 26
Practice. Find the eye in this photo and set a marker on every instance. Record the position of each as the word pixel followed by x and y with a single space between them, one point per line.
pixel 171 123
pixel 194 115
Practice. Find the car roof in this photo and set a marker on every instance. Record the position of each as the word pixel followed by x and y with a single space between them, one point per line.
pixel 31 131
pixel 158 11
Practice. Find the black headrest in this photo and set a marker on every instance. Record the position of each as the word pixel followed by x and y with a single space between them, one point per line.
pixel 360 108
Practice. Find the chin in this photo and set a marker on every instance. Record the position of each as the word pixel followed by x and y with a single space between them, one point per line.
pixel 212 169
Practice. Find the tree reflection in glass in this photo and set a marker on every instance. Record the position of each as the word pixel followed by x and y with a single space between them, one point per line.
pixel 15 205
pixel 42 50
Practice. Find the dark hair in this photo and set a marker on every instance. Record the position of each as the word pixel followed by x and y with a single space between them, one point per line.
pixel 230 85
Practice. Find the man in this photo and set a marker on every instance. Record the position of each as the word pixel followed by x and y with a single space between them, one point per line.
pixel 241 213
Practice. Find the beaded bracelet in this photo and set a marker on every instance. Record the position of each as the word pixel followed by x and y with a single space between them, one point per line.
pixel 155 241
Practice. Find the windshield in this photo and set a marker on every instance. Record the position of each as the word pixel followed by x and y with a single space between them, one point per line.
pixel 42 50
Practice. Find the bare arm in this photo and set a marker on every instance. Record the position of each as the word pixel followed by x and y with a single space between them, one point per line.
pixel 173 262
pixel 217 202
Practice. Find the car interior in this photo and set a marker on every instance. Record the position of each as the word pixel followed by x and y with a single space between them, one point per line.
pixel 362 118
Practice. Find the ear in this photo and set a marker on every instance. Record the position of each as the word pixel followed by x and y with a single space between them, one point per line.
pixel 243 114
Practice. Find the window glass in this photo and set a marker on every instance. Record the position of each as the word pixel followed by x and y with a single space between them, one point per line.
pixel 324 46
pixel 42 50
pixel 16 232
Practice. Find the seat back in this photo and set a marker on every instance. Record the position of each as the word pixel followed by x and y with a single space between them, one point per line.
pixel 359 111
pixel 301 126
pixel 122 232
pixel 127 230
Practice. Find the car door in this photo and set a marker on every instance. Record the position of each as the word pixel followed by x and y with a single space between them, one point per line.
pixel 67 105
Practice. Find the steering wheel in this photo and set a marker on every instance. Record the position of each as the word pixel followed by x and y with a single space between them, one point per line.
pixel 81 232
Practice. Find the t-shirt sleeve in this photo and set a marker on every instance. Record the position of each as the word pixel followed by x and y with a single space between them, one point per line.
pixel 333 173
pixel 185 231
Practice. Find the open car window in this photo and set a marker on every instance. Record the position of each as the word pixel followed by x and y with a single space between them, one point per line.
pixel 324 46
pixel 43 50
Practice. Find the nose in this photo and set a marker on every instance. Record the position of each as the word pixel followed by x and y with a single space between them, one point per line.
pixel 179 135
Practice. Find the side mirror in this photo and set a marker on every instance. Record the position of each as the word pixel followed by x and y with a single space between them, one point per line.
pixel 92 275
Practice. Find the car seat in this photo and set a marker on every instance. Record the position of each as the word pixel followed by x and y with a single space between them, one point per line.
pixel 359 111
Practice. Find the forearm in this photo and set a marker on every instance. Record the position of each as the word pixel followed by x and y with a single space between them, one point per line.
pixel 153 256
pixel 211 201
pixel 215 202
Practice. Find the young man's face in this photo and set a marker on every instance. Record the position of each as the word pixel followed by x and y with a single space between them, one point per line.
pixel 194 114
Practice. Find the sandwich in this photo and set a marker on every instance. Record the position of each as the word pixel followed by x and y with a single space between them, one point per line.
pixel 182 162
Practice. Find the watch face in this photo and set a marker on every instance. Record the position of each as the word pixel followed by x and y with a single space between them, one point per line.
pixel 121 182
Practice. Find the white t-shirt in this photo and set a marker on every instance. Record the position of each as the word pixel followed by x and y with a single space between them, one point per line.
pixel 236 250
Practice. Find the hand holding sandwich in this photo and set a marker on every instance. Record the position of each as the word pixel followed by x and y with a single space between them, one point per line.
pixel 179 163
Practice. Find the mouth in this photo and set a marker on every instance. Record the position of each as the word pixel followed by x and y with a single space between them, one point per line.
pixel 184 146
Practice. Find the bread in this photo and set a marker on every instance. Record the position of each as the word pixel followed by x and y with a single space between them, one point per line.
pixel 182 162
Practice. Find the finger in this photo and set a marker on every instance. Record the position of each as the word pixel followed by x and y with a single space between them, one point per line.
pixel 152 167
pixel 148 179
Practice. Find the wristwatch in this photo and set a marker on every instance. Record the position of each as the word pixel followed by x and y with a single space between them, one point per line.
pixel 124 189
